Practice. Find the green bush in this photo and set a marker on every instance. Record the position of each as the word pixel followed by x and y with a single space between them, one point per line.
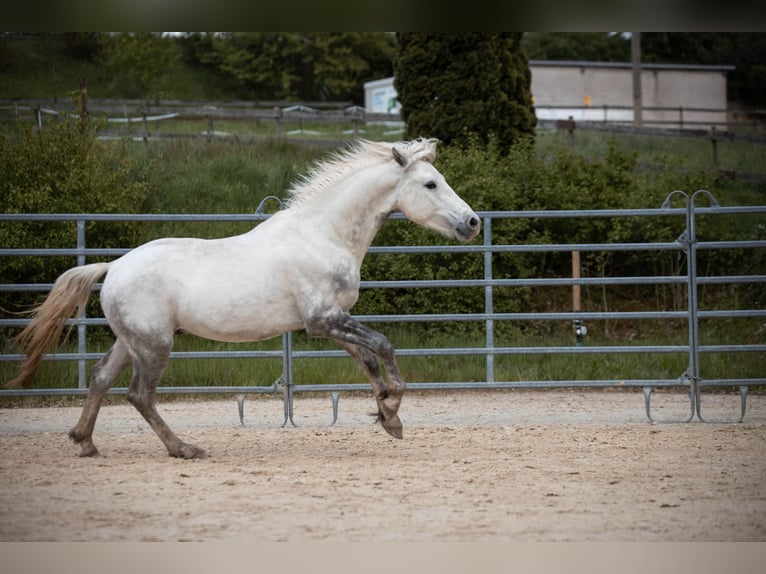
pixel 522 180
pixel 63 168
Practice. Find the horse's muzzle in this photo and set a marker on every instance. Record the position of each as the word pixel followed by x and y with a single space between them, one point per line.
pixel 469 227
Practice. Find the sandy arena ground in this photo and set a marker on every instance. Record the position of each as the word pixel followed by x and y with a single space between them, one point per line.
pixel 473 466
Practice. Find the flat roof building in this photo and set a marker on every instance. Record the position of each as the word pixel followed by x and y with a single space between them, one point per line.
pixel 673 95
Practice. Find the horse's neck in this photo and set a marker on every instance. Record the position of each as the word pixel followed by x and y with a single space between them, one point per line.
pixel 353 211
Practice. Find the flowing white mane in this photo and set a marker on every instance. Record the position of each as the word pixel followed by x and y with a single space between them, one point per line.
pixel 359 155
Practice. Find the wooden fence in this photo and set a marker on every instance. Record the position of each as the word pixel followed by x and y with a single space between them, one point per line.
pixel 131 116
pixel 140 113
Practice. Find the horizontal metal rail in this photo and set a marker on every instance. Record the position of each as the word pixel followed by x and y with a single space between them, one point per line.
pixel 427 352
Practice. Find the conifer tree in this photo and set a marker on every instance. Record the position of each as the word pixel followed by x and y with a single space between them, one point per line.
pixel 453 85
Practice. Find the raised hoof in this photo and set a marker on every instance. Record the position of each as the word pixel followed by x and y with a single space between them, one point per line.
pixel 393 426
pixel 189 451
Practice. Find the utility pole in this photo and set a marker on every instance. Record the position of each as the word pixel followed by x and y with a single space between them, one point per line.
pixel 635 51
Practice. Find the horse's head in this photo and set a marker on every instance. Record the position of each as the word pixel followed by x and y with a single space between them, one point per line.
pixel 425 197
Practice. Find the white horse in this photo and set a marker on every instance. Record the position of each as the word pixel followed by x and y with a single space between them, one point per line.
pixel 297 270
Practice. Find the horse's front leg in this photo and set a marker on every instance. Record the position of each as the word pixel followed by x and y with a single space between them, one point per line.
pixel 365 345
pixel 388 401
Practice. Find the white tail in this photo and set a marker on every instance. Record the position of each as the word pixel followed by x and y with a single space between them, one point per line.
pixel 69 294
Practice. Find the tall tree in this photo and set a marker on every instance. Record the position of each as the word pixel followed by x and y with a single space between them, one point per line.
pixel 295 66
pixel 139 62
pixel 455 86
pixel 593 46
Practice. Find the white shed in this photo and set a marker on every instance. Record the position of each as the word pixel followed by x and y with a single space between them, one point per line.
pixel 380 97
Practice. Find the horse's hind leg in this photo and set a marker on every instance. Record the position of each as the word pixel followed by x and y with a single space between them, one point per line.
pixel 103 375
pixel 148 366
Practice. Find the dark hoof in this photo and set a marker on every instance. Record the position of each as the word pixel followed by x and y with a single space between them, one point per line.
pixel 188 451
pixel 87 448
pixel 393 426
pixel 90 451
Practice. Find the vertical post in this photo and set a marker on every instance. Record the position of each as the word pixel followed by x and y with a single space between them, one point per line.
pixel 694 339
pixel 209 128
pixel 635 51
pixel 488 302
pixel 278 119
pixel 576 275
pixel 691 289
pixel 287 375
pixel 576 290
pixel 38 117
pixel 82 346
pixel 83 111
pixel 687 240
pixel 714 142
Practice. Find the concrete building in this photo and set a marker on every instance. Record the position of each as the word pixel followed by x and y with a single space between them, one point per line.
pixel 673 95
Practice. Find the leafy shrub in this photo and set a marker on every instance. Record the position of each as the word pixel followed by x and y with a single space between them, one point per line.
pixel 523 181
pixel 63 168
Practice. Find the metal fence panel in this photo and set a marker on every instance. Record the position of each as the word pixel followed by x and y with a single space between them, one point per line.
pixel 687 243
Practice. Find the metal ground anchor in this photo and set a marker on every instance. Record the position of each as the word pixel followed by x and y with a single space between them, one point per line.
pixel 275 388
pixel 647 402
pixel 334 396
pixel 241 409
pixel 743 408
pixel 287 398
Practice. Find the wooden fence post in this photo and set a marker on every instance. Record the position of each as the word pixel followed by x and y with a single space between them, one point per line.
pixel 569 126
pixel 278 119
pixel 576 288
pixel 83 104
pixel 580 329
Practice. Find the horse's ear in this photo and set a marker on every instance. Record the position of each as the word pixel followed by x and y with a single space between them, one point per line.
pixel 400 159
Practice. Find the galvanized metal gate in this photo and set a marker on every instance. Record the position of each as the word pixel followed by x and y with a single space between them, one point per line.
pixel 692 380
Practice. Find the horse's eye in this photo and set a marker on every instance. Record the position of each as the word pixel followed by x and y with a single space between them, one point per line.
pixel 431 185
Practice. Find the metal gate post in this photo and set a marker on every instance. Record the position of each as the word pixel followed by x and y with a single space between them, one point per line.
pixel 82 345
pixel 287 376
pixel 694 343
pixel 688 241
pixel 694 338
pixel 489 307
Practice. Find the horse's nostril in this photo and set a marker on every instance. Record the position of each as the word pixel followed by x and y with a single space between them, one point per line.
pixel 473 222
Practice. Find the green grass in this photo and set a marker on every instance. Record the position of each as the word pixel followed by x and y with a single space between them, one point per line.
pixel 658 153
pixel 516 367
